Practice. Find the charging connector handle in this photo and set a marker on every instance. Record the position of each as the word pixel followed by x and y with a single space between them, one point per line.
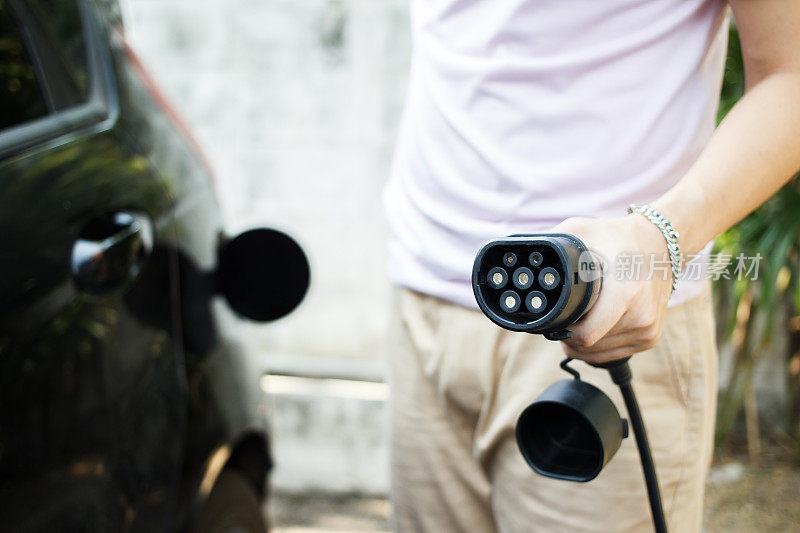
pixel 621 375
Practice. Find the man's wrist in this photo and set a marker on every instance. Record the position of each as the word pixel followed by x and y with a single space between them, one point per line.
pixel 649 237
pixel 668 236
pixel 682 205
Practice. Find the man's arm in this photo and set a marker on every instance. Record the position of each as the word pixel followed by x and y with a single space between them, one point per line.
pixel 753 152
pixel 756 149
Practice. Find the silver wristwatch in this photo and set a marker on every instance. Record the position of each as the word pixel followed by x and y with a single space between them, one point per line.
pixel 669 233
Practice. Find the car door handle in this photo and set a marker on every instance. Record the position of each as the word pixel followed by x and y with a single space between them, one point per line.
pixel 110 251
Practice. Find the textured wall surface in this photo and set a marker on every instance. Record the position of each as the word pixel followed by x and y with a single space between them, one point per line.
pixel 296 103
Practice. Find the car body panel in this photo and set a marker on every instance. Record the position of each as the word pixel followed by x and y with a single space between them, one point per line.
pixel 112 405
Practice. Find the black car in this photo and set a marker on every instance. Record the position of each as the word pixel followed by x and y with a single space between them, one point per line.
pixel 126 403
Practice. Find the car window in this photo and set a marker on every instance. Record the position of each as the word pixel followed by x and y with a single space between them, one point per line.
pixel 21 96
pixel 61 24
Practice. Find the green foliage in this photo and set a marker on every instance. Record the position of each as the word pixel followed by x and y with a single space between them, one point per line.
pixel 733 80
pixel 750 310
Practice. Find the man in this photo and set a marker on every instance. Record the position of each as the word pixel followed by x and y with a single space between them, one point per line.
pixel 554 115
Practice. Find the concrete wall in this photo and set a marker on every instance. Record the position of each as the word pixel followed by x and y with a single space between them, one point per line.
pixel 296 103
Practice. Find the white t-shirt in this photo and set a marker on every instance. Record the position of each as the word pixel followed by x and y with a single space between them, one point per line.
pixel 521 113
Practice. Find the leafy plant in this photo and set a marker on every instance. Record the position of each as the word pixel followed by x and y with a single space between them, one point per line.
pixel 750 311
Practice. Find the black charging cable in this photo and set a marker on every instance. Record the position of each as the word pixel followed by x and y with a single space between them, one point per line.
pixel 569 279
pixel 621 375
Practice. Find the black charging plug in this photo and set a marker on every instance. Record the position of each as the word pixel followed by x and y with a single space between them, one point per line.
pixel 538 283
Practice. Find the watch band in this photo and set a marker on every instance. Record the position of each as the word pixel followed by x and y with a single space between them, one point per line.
pixel 669 233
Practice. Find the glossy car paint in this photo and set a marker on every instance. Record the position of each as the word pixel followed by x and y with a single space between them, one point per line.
pixel 113 401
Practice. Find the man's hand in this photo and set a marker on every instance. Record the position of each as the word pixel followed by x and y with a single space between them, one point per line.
pixel 628 314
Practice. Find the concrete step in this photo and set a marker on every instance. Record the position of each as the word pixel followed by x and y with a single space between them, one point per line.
pixel 329 431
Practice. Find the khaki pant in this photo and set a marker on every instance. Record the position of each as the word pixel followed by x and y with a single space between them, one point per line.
pixel 458 385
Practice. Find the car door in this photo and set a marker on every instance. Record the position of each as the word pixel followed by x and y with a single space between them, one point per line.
pixel 92 384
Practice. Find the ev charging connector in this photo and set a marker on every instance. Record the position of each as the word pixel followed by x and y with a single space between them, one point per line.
pixel 544 283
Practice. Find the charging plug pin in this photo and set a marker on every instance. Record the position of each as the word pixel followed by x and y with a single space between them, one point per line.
pixel 510 301
pixel 510 259
pixel 536 302
pixel 497 278
pixel 549 278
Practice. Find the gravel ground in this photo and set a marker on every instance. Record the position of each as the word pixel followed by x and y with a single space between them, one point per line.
pixel 749 498
pixel 323 513
pixel 739 498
